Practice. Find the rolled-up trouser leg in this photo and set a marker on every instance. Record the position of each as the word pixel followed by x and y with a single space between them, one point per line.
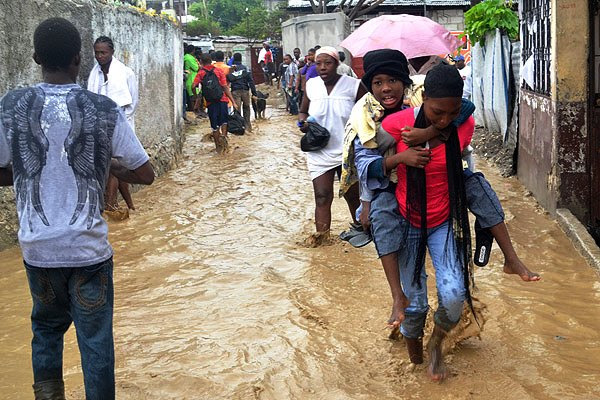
pixel 482 200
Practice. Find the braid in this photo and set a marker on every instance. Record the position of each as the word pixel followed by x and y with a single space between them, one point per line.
pixel 105 39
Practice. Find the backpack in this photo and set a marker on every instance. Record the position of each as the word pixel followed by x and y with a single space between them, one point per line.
pixel 211 88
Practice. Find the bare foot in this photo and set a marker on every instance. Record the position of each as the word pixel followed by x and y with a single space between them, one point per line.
pixel 317 239
pixel 517 267
pixel 436 369
pixel 398 312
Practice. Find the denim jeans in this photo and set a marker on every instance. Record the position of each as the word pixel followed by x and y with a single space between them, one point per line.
pixel 448 277
pixel 482 200
pixel 83 296
pixel 293 102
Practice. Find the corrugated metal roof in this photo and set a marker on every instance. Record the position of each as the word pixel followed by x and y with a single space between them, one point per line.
pixel 406 3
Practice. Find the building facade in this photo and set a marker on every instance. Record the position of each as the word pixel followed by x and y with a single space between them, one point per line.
pixel 449 13
pixel 559 121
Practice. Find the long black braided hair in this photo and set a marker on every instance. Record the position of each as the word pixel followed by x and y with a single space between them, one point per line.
pixel 442 81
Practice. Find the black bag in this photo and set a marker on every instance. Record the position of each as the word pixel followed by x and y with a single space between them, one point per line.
pixel 236 124
pixel 315 138
pixel 211 88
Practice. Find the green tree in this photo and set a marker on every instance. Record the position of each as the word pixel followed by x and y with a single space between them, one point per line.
pixel 227 13
pixel 260 24
pixel 203 26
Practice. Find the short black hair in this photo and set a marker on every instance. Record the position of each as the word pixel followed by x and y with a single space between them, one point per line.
pixel 107 40
pixel 190 49
pixel 237 57
pixel 342 56
pixel 317 47
pixel 311 50
pixel 206 59
pixel 56 41
pixel 219 56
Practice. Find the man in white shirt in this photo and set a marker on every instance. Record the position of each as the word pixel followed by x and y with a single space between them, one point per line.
pixel 465 72
pixel 111 78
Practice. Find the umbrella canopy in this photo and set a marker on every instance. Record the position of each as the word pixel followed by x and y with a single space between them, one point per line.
pixel 414 36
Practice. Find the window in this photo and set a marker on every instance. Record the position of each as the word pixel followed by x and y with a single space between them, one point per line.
pixel 536 28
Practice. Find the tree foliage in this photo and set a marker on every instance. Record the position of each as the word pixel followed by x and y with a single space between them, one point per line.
pixel 230 17
pixel 259 25
pixel 488 16
pixel 203 26
pixel 352 8
pixel 227 13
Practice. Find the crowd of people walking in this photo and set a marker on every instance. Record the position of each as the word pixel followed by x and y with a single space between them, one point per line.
pixel 398 139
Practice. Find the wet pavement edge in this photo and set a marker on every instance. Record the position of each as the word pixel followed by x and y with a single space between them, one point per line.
pixel 582 240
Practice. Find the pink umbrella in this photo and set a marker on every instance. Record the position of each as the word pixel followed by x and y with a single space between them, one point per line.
pixel 414 36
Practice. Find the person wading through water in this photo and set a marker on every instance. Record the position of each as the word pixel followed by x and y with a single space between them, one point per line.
pixel 58 142
pixel 367 147
pixel 217 94
pixel 328 101
pixel 110 77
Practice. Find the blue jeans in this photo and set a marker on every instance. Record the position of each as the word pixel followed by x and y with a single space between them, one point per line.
pixel 482 200
pixel 448 277
pixel 387 225
pixel 83 296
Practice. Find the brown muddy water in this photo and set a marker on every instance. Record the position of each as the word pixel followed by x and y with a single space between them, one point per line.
pixel 215 298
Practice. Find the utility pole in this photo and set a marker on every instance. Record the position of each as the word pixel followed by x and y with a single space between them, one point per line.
pixel 248 28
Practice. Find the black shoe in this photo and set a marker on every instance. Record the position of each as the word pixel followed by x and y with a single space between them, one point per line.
pixel 483 245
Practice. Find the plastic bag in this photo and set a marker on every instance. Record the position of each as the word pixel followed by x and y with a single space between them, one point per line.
pixel 315 138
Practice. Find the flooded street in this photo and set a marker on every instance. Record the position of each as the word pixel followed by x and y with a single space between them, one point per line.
pixel 216 299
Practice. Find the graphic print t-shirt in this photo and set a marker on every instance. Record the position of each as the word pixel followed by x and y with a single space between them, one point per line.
pixel 59 140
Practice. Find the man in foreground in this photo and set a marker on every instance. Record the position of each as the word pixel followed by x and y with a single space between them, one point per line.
pixel 58 143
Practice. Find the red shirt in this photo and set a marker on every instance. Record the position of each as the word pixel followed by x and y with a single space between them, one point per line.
pixel 268 57
pixel 220 75
pixel 436 175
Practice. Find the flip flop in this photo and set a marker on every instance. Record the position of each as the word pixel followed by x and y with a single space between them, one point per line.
pixel 355 229
pixel 360 240
pixel 483 245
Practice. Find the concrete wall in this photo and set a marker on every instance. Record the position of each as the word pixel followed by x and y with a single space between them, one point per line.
pixel 554 161
pixel 150 46
pixel 310 30
pixel 453 19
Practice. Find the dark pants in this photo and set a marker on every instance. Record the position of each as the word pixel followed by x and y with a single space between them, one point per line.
pixel 83 296
pixel 242 98
pixel 293 102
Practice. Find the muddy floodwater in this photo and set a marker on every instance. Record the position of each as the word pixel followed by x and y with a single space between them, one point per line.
pixel 216 299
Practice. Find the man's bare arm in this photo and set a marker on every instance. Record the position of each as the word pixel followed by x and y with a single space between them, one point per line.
pixel 143 175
